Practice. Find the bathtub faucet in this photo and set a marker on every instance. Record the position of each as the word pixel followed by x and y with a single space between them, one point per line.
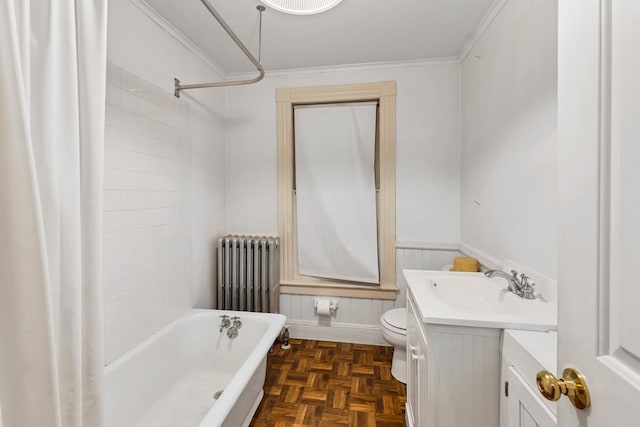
pixel 237 323
pixel 226 322
pixel 232 332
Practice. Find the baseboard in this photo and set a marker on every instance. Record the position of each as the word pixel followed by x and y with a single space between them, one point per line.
pixel 337 332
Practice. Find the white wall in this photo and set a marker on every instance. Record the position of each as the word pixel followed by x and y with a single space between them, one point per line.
pixel 427 177
pixel 508 186
pixel 141 47
pixel 427 148
pixel 147 220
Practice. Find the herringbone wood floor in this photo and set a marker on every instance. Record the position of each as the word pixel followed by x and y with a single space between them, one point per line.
pixel 325 384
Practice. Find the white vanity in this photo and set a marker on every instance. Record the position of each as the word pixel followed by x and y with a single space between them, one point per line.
pixel 454 327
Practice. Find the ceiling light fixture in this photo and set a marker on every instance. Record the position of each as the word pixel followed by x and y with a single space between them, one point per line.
pixel 301 7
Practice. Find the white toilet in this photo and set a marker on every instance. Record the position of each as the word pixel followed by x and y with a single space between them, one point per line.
pixel 393 324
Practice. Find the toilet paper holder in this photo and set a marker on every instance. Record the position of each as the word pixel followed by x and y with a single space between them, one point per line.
pixel 333 305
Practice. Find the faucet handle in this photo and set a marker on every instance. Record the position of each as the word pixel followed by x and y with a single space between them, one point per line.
pixel 237 323
pixel 232 332
pixel 526 283
pixel 514 273
pixel 225 322
pixel 528 289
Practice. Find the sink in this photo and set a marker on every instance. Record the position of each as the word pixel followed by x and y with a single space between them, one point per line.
pixel 472 299
pixel 477 294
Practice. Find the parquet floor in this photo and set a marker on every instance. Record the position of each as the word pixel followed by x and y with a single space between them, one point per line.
pixel 326 384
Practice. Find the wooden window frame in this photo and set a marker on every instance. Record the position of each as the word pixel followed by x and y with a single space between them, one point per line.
pixel 384 93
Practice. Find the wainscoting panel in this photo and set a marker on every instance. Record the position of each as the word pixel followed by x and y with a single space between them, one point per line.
pixel 357 319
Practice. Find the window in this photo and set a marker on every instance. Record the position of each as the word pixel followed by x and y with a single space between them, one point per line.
pixel 384 96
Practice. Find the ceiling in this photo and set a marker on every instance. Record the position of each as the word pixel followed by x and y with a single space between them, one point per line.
pixel 354 32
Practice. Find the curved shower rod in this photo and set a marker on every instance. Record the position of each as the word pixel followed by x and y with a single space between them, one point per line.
pixel 179 87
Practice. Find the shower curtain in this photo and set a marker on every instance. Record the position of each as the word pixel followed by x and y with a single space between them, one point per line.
pixel 52 84
pixel 336 213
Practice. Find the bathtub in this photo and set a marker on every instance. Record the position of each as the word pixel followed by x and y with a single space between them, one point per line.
pixel 174 377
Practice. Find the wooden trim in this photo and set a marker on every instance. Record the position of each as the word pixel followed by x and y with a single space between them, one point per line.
pixel 285 180
pixel 338 290
pixel 341 93
pixel 387 193
pixel 286 98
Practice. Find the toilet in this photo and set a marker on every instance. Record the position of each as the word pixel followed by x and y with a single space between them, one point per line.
pixel 393 324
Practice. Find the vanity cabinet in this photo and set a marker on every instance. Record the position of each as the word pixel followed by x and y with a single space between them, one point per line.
pixel 453 374
pixel 524 353
pixel 524 407
pixel 455 325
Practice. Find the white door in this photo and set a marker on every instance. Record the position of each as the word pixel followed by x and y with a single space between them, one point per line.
pixel 599 207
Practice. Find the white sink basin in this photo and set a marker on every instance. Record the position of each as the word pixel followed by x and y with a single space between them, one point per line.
pixel 471 299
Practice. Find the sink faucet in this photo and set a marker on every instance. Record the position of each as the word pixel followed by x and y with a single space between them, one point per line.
pixel 518 285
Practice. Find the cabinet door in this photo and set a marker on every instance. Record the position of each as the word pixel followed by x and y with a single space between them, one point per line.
pixel 421 404
pixel 525 407
pixel 412 367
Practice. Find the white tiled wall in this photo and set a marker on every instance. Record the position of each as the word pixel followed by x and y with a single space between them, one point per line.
pixel 359 311
pixel 147 217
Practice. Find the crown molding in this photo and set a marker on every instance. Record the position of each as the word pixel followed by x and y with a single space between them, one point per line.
pixel 473 38
pixel 471 41
pixel 178 35
pixel 353 67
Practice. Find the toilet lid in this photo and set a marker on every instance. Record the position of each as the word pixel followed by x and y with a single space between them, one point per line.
pixel 396 318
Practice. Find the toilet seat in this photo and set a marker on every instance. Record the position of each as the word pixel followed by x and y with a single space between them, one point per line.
pixel 395 320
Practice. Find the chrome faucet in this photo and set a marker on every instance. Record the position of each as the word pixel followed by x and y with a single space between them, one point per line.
pixel 237 323
pixel 225 322
pixel 232 332
pixel 518 285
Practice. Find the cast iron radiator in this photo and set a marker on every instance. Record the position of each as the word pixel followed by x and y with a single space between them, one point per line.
pixel 249 273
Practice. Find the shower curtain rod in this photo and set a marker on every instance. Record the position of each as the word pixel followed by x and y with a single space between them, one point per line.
pixel 256 62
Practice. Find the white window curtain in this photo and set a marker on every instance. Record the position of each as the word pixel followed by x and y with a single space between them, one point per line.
pixel 337 234
pixel 52 94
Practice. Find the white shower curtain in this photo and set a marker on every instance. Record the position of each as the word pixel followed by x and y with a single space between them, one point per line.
pixel 52 84
pixel 336 192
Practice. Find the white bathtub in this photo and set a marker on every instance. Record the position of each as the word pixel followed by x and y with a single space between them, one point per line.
pixel 171 378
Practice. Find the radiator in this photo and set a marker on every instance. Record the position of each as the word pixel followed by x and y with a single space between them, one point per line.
pixel 249 273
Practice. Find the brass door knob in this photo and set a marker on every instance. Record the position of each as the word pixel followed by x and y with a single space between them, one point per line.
pixel 571 385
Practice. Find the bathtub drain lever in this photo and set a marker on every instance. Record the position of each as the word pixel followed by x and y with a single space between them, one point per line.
pixel 285 336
